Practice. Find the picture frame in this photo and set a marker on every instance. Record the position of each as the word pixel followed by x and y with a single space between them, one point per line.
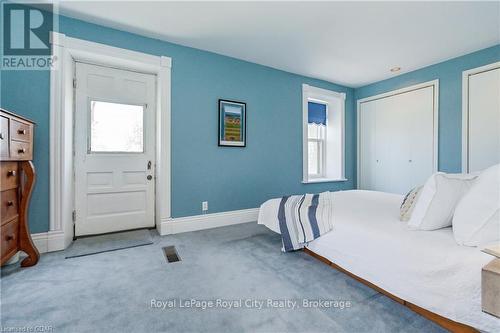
pixel 232 123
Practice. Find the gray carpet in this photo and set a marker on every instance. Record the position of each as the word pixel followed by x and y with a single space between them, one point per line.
pixel 112 291
pixel 110 242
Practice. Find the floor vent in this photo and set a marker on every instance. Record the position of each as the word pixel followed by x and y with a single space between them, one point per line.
pixel 171 254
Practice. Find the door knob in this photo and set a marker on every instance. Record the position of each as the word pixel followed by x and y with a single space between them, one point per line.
pixel 149 177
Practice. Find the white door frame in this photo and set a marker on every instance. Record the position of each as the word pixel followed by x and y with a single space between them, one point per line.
pixel 435 85
pixel 67 50
pixel 465 109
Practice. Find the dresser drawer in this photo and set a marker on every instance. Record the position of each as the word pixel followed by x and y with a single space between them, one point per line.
pixel 9 234
pixel 21 150
pixel 9 175
pixel 9 205
pixel 21 131
pixel 4 137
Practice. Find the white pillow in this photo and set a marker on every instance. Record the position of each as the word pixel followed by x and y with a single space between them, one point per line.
pixel 477 218
pixel 437 201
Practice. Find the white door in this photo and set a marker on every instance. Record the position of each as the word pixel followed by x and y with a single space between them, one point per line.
pixel 114 149
pixel 421 137
pixel 367 147
pixel 396 141
pixel 484 120
pixel 384 129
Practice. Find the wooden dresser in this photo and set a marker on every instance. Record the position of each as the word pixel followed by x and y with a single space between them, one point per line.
pixel 16 185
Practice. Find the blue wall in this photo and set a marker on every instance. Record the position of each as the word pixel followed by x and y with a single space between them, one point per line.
pixel 234 178
pixel 449 74
pixel 26 93
pixel 228 178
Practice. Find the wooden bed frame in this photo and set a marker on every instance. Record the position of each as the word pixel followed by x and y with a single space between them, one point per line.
pixel 444 322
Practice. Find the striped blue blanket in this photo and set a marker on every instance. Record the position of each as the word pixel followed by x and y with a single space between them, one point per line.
pixel 303 218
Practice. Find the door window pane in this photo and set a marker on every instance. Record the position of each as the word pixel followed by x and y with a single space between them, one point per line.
pixel 116 127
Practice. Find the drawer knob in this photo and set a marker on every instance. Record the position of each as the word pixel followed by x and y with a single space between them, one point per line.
pixel 21 131
pixel 10 203
pixel 11 173
pixel 21 151
pixel 10 237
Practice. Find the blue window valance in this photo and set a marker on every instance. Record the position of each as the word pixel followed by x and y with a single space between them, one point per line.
pixel 316 113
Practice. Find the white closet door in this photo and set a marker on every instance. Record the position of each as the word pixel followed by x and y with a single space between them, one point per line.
pixel 399 144
pixel 420 136
pixel 367 146
pixel 384 128
pixel 397 140
pixel 484 120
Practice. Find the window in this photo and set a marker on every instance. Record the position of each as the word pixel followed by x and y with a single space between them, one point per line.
pixel 316 138
pixel 116 128
pixel 323 137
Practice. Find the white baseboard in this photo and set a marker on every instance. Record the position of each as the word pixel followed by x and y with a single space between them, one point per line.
pixel 49 241
pixel 207 221
pixel 54 240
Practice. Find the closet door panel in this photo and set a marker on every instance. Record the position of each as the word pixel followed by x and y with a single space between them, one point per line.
pixel 400 143
pixel 484 120
pixel 367 147
pixel 384 136
pixel 421 137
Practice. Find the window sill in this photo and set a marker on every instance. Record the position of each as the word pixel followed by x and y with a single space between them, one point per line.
pixel 323 180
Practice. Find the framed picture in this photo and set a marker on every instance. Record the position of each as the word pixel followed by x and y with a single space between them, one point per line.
pixel 232 123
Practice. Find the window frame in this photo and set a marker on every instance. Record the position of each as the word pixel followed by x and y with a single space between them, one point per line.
pixel 333 163
pixel 321 144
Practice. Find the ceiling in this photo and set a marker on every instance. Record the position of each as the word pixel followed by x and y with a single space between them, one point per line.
pixel 350 43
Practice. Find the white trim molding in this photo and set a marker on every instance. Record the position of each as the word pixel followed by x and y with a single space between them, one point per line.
pixel 49 241
pixel 67 51
pixel 324 180
pixel 465 109
pixel 207 221
pixel 435 85
pixel 333 161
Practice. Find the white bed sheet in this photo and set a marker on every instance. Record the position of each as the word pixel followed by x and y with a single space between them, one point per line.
pixel 426 268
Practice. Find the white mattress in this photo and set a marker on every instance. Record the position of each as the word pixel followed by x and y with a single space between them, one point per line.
pixel 426 268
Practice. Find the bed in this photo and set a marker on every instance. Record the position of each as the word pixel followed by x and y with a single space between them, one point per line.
pixel 425 269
